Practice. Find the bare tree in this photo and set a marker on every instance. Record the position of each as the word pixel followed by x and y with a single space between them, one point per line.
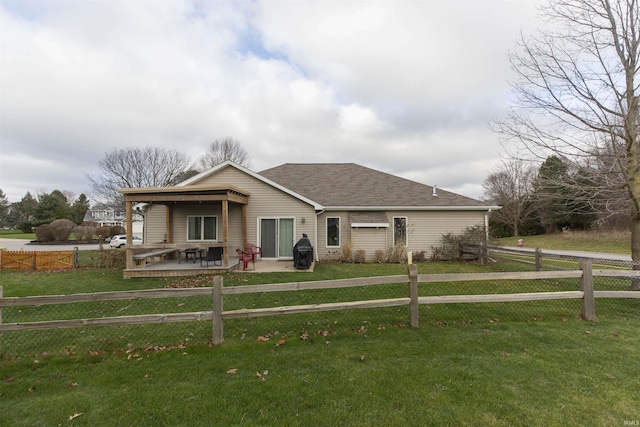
pixel 222 150
pixel 511 186
pixel 136 168
pixel 577 95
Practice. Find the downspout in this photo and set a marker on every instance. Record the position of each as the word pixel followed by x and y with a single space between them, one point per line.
pixel 486 226
pixel 315 235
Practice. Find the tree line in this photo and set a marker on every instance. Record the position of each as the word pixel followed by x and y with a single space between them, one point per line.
pixel 31 212
pixel 132 167
pixel 551 197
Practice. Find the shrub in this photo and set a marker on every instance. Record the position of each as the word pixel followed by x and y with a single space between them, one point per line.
pixel 62 229
pixel 346 253
pixel 83 232
pixel 379 256
pixel 103 232
pixel 116 229
pixel 419 256
pixel 451 244
pixel 359 256
pixel 397 254
pixel 44 233
pixel 26 227
pixel 111 259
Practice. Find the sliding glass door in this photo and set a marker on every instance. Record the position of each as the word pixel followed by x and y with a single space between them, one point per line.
pixel 276 237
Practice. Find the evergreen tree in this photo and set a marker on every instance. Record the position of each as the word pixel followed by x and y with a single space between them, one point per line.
pixel 4 209
pixel 79 209
pixel 51 207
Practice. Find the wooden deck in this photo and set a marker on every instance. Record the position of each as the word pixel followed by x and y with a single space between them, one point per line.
pixel 171 268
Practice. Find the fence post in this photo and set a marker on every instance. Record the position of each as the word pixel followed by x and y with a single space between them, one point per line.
pixel 218 337
pixel 538 259
pixel 76 257
pixel 1 306
pixel 413 295
pixel 588 311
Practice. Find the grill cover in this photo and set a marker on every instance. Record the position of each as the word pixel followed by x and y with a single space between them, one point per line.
pixel 303 253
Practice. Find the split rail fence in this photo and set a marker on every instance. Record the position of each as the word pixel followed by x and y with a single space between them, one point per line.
pixel 584 280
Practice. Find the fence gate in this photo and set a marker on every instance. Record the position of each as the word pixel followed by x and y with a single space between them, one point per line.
pixel 37 260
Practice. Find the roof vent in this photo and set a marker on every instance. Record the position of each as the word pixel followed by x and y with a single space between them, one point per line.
pixel 435 194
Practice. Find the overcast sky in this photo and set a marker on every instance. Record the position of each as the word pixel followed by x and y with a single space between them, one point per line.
pixel 406 87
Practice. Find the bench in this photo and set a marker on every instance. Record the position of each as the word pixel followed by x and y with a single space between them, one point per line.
pixel 141 259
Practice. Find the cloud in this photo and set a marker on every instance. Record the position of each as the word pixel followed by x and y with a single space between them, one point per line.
pixel 406 87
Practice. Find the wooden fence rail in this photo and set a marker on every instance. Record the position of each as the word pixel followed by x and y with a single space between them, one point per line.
pixel 217 315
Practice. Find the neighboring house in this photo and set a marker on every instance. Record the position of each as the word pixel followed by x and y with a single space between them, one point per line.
pixel 109 216
pixel 334 204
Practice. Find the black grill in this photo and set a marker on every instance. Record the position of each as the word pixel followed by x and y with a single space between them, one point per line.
pixel 303 253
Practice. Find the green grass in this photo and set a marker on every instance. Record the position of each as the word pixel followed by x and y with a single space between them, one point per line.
pixel 467 364
pixel 537 373
pixel 617 242
pixel 16 234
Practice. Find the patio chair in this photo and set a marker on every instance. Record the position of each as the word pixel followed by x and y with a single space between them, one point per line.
pixel 254 251
pixel 244 257
pixel 214 254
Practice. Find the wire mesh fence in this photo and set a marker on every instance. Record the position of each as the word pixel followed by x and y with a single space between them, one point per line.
pixel 137 338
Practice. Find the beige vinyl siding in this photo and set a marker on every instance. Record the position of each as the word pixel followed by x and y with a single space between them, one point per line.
pixel 265 201
pixel 426 228
pixel 155 223
pixel 369 240
pixel 424 231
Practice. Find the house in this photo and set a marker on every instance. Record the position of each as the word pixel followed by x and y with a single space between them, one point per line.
pixel 334 204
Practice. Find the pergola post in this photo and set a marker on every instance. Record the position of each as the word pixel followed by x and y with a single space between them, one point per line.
pixel 244 226
pixel 129 250
pixel 225 231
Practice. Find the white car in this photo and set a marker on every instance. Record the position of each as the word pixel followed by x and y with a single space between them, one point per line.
pixel 120 240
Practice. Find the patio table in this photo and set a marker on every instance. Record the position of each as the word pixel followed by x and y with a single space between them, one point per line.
pixel 192 254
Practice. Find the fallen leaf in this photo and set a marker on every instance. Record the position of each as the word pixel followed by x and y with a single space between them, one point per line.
pixel 304 336
pixel 74 416
pixel 232 371
pixel 362 358
pixel 281 342
pixel 8 378
pixel 262 339
pixel 32 389
pixel 587 332
pixel 72 384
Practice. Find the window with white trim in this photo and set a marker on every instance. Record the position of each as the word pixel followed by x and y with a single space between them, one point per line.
pixel 400 230
pixel 333 232
pixel 202 228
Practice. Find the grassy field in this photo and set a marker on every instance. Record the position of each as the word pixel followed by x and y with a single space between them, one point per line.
pixel 16 234
pixel 493 365
pixel 617 242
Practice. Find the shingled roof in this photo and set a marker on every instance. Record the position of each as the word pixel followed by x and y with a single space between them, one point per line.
pixel 352 185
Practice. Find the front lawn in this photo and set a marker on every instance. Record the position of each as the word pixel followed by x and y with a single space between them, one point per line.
pixel 476 364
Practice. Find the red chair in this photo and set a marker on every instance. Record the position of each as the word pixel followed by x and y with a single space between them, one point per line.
pixel 245 257
pixel 254 251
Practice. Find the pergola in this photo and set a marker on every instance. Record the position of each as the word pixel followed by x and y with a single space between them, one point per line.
pixel 174 196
